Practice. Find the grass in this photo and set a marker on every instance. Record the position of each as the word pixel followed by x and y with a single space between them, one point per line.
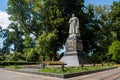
pixel 15 67
pixel 73 69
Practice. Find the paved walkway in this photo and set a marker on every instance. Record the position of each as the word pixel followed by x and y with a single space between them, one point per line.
pixel 104 75
pixel 11 75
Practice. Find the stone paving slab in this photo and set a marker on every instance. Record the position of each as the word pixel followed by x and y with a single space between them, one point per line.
pixel 29 69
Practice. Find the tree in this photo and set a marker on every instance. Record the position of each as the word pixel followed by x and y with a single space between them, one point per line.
pixel 3 35
pixel 103 36
pixel 32 56
pixel 21 12
pixel 114 51
pixel 115 20
pixel 99 27
pixel 2 56
pixel 16 56
pixel 39 16
pixel 14 38
pixel 43 46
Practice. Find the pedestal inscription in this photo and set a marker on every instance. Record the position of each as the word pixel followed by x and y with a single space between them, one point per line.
pixel 70 46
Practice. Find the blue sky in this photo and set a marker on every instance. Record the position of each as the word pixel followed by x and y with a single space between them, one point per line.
pixel 100 2
pixel 3 3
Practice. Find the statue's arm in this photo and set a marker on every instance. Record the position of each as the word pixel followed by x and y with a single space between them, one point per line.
pixel 70 21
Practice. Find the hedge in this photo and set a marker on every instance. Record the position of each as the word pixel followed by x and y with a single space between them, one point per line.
pixel 3 63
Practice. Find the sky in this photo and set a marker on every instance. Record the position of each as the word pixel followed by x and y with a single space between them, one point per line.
pixel 99 2
pixel 4 21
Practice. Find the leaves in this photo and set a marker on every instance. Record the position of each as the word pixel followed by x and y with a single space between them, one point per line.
pixel 43 44
pixel 114 50
pixel 47 21
pixel 115 19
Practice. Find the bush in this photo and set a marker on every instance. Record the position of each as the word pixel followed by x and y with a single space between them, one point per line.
pixel 4 63
pixel 2 58
pixel 16 56
pixel 114 51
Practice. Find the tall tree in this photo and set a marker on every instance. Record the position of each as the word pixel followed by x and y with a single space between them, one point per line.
pixel 43 46
pixel 99 30
pixel 115 20
pixel 21 12
pixel 39 16
pixel 14 38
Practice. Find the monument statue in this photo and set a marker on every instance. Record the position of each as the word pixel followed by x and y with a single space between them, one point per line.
pixel 74 55
pixel 74 25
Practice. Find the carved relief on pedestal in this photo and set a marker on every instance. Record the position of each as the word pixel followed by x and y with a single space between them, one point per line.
pixel 70 46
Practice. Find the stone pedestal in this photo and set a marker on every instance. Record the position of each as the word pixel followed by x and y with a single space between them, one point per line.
pixel 74 55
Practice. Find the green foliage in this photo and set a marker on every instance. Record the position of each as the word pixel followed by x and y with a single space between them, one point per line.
pixel 32 56
pixel 73 69
pixel 51 20
pixel 6 63
pixel 15 56
pixel 95 58
pixel 43 45
pixel 47 21
pixel 115 19
pixel 14 38
pixel 2 56
pixel 20 12
pixel 28 42
pixel 36 17
pixel 99 27
pixel 114 51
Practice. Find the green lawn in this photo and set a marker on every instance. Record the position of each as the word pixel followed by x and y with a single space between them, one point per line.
pixel 73 69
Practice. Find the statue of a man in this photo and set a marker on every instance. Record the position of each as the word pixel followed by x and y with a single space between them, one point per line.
pixel 74 25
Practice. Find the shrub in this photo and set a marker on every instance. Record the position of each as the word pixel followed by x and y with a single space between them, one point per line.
pixel 4 63
pixel 114 51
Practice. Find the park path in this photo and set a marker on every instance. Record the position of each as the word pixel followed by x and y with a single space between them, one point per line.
pixel 104 75
pixel 11 75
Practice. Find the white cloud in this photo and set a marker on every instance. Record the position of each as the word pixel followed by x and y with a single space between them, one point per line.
pixel 4 21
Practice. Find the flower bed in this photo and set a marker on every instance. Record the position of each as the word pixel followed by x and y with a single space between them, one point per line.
pixel 53 62
pixel 117 65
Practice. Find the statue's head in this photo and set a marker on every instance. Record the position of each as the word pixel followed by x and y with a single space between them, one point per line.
pixel 73 15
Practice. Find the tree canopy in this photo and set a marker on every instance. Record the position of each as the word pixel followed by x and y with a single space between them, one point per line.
pixel 40 28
